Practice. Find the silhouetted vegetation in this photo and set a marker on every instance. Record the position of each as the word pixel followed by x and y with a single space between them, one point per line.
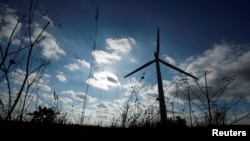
pixel 44 115
pixel 210 100
pixel 18 57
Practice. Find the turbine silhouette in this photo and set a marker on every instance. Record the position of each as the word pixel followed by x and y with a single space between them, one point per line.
pixel 159 78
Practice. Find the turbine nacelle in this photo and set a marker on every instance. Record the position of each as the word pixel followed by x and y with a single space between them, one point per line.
pixel 156 54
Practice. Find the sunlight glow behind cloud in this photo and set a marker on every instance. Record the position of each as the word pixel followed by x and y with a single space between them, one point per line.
pixel 104 80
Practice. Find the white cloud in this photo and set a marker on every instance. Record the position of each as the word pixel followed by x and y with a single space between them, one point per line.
pixel 79 64
pixel 118 47
pixel 72 66
pixel 83 63
pixel 103 80
pixel 10 21
pixel 45 17
pixel 4 97
pixel 50 47
pixel 60 76
pixel 223 60
pixel 66 100
pixel 130 84
pixel 79 96
pixel 169 60
pixel 70 92
pixel 41 83
pixel 48 97
pixel 103 57
pixel 123 45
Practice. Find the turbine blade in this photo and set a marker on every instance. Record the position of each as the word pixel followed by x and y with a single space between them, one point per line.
pixel 143 66
pixel 158 42
pixel 173 67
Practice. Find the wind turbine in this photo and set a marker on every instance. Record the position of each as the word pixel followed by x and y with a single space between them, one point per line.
pixel 159 78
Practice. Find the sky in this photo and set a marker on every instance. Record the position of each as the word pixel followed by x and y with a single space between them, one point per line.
pixel 98 42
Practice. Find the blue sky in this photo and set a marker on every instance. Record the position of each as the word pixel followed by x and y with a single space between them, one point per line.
pixel 194 35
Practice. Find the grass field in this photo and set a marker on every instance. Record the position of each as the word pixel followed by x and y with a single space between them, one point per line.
pixel 23 130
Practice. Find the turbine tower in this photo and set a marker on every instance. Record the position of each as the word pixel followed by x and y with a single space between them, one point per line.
pixel 159 78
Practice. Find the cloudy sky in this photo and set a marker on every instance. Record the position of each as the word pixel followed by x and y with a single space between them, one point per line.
pixel 101 41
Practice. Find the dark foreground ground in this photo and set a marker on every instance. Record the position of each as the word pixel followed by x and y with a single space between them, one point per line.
pixel 37 131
